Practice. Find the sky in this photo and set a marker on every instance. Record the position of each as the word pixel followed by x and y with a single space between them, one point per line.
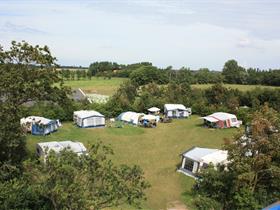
pixel 194 33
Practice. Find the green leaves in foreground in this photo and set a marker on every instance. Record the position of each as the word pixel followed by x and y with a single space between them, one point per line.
pixel 251 179
pixel 68 181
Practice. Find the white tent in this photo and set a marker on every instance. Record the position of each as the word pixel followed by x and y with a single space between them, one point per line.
pixel 196 158
pixel 176 111
pixel 149 117
pixel 43 148
pixel 222 120
pixel 130 117
pixel 88 118
pixel 154 110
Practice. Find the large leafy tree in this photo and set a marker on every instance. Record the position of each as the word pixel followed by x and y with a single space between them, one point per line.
pixel 252 177
pixel 69 181
pixel 28 74
pixel 234 73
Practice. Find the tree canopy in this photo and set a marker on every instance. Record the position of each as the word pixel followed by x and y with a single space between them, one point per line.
pixel 251 179
pixel 28 74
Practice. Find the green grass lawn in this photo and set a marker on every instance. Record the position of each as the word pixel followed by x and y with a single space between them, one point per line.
pixel 234 86
pixel 156 150
pixel 97 85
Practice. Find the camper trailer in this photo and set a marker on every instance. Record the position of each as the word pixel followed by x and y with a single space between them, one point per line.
pixel 176 111
pixel 43 148
pixel 88 119
pixel 39 125
pixel 196 158
pixel 221 120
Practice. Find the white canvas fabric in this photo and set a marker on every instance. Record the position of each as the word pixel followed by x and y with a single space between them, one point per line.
pixel 170 107
pixel 206 155
pixel 130 117
pixel 44 148
pixel 88 118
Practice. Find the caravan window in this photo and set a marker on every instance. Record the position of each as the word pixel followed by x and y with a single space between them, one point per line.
pixel 188 165
pixel 233 120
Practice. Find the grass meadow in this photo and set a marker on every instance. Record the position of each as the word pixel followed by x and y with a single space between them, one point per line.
pixel 156 150
pixel 108 87
pixel 234 86
pixel 97 85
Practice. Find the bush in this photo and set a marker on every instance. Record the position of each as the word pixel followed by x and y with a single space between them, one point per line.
pixel 204 203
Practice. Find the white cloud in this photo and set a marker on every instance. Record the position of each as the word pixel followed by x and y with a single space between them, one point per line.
pixel 170 33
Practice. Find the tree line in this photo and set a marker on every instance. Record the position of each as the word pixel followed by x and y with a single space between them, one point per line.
pixel 231 73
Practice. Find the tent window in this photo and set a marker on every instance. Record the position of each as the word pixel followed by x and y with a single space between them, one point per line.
pixel 189 165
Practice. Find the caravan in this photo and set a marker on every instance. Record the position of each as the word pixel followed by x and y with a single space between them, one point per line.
pixel 88 118
pixel 39 125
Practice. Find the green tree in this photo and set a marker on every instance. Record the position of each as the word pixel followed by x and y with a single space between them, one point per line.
pixel 72 75
pixel 69 181
pixel 234 73
pixel 28 73
pixel 78 74
pixel 148 74
pixel 89 75
pixel 252 177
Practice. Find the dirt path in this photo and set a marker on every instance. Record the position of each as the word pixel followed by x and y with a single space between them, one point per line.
pixel 176 205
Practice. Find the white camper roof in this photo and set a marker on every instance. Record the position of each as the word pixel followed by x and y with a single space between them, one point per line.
pixel 76 147
pixel 207 155
pixel 215 117
pixel 170 107
pixel 154 109
pixel 35 119
pixel 87 113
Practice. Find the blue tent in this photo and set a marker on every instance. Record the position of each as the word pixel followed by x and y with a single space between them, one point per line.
pixel 40 125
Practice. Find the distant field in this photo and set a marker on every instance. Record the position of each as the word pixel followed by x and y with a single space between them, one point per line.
pixel 108 87
pixel 156 150
pixel 234 86
pixel 97 85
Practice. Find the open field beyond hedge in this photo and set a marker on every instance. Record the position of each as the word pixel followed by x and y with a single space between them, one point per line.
pixel 97 85
pixel 108 87
pixel 156 150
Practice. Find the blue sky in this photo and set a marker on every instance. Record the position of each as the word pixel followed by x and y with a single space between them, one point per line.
pixel 191 33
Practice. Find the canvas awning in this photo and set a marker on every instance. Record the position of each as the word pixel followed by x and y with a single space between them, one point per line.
pixel 210 119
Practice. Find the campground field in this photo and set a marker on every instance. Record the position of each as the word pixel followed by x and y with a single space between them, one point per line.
pixel 156 150
pixel 108 87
